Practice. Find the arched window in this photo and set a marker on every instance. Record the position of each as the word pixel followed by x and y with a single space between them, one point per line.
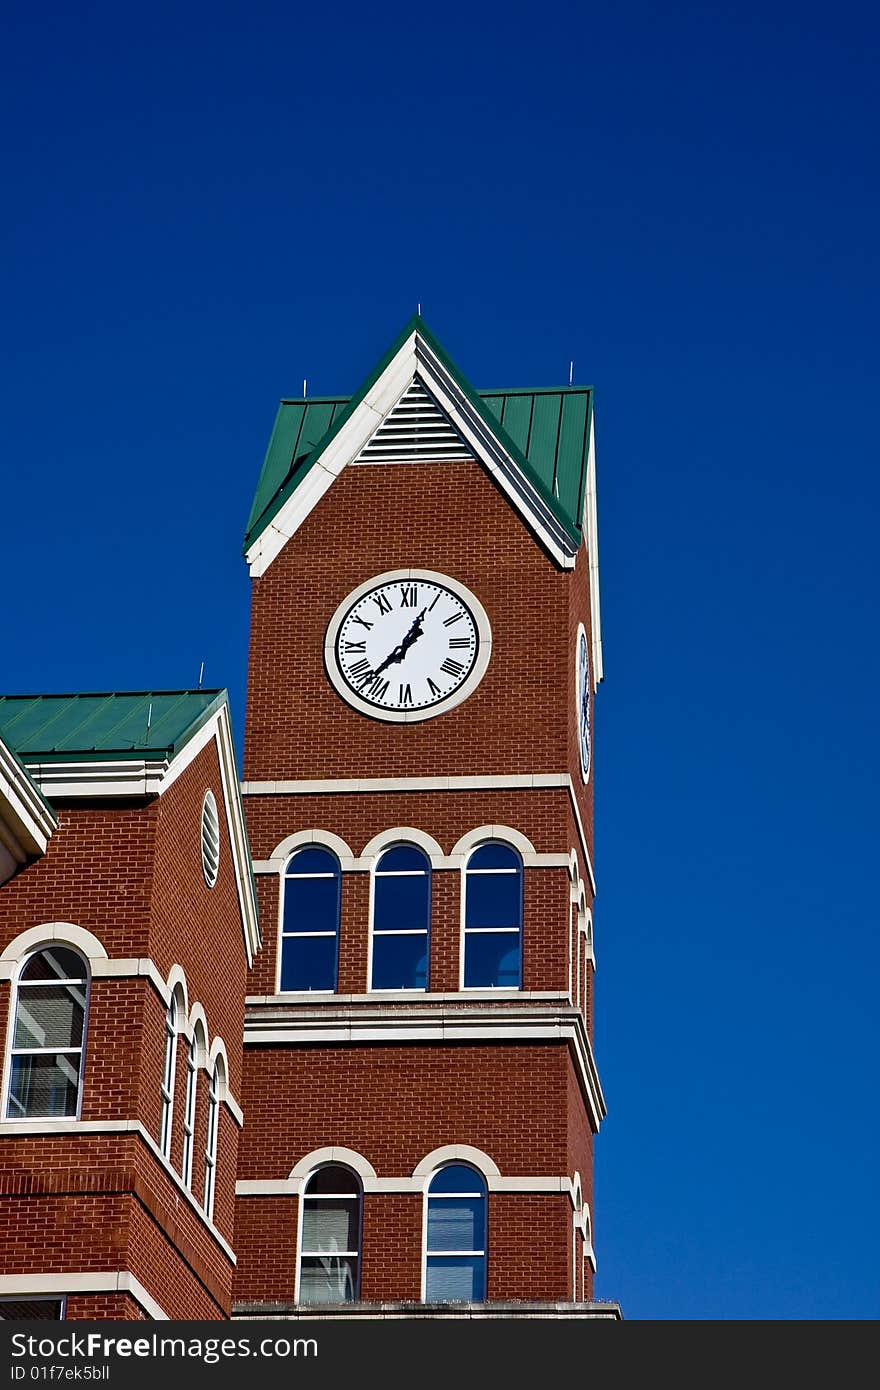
pixel 455 1249
pixel 493 908
pixel 401 919
pixel 329 1262
pixel 168 1073
pixel 48 1038
pixel 310 921
pixel 189 1109
pixel 211 1141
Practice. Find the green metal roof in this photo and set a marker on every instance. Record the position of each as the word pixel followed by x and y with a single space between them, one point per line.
pixel 144 724
pixel 546 432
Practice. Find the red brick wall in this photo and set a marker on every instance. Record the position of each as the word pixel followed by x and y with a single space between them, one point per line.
pixel 394 1104
pixel 131 874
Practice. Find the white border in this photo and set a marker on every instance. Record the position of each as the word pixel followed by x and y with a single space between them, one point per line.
pixel 415 716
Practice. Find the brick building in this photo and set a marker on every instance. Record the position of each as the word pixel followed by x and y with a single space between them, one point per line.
pixel 381 1100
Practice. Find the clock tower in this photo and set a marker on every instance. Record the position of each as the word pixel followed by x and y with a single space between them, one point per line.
pixel 419 1082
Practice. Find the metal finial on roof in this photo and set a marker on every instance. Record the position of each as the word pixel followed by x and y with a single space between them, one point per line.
pixel 570 372
pixel 305 384
pixel 201 673
pixel 149 717
pixel 419 310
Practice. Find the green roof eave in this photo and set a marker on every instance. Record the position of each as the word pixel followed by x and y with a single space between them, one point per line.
pixel 34 739
pixel 265 510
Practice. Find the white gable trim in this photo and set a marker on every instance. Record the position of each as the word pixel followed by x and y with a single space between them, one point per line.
pixel 591 533
pixel 26 823
pixel 415 357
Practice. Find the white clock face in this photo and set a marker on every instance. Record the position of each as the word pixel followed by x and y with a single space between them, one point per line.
pixel 583 704
pixel 407 646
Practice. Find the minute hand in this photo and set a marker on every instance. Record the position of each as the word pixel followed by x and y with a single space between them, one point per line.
pixel 400 651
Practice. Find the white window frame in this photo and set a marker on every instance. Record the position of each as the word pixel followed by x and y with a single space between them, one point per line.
pixel 377 872
pixel 292 935
pixel 13 1051
pixel 482 1254
pixel 317 1254
pixel 189 1109
pixel 169 1077
pixel 211 1141
pixel 467 931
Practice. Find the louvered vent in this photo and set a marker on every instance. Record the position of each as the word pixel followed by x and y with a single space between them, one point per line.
pixel 210 839
pixel 416 430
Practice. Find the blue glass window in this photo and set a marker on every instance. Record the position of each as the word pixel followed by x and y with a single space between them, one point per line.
pixel 310 921
pixel 455 1255
pixel 401 919
pixel 493 910
pixel 329 1264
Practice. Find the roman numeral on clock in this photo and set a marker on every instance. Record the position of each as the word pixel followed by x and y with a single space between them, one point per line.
pixel 452 668
pixel 376 687
pixel 356 646
pixel 456 618
pixel 382 603
pixel 363 622
pixel 359 668
pixel 409 595
pixel 405 695
pixel 459 642
pixel 434 689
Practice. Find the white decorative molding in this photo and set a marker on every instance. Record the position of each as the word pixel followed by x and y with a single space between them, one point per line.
pixel 456 1153
pixel 463 847
pixel 26 822
pixel 403 834
pixel 415 358
pixel 414 1185
pixel 591 532
pixel 302 839
pixel 318 1157
pixel 508 1022
pixel 92 1281
pixel 421 996
pixel 372 785
pixel 45 934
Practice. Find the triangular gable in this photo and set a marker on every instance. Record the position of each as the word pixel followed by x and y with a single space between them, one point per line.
pixel 416 430
pixel 416 356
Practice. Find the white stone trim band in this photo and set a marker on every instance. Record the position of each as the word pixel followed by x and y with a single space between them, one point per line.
pixel 29 1285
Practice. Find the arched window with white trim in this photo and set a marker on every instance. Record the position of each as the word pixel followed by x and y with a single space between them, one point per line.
pixel 189 1110
pixel 310 920
pixel 169 1069
pixel 48 1036
pixel 455 1236
pixel 401 919
pixel 211 1140
pixel 493 913
pixel 330 1236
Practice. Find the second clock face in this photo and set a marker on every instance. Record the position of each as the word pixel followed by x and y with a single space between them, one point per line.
pixel 406 646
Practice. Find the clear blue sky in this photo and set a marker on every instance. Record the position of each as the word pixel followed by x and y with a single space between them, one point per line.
pixel 205 204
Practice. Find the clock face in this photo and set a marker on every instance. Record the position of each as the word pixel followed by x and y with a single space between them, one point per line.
pixel 583 703
pixel 407 646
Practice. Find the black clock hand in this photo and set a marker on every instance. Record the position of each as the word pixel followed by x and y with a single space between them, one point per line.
pixel 400 651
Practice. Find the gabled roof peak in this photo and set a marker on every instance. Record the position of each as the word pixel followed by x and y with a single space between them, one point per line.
pixel 535 442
